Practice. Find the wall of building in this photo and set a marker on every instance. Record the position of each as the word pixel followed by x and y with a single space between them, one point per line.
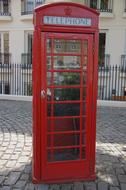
pixel 114 24
pixel 16 28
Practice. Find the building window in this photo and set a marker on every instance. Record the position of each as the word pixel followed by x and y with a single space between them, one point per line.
pixel 102 42
pixel 27 55
pixel 4 88
pixel 102 5
pixel 4 7
pixel 27 6
pixel 4 48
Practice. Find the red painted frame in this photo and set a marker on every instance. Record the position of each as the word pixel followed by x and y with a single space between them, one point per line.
pixel 41 171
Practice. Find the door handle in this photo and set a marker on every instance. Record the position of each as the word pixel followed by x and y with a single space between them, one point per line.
pixel 43 94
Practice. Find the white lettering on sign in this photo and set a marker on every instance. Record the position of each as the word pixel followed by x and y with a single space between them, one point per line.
pixel 67 21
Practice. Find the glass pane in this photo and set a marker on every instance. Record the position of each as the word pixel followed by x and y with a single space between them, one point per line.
pixel 83 138
pixel 66 78
pixel 66 124
pixel 93 4
pixel 84 78
pixel 48 62
pixel 64 155
pixel 49 107
pixel 67 109
pixel 67 62
pixel 67 46
pixel 84 93
pixel 49 78
pixel 62 94
pixel 83 153
pixel 64 140
pixel 85 47
pixel 6 42
pixel 84 109
pixel 48 47
pixel 84 123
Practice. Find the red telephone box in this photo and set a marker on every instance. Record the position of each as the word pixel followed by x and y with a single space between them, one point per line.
pixel 65 57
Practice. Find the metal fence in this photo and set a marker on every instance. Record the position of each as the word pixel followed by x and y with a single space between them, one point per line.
pixel 112 83
pixel 16 79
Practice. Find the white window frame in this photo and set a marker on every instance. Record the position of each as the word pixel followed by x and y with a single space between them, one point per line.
pixel 2 41
pixel 26 40
pixel 2 7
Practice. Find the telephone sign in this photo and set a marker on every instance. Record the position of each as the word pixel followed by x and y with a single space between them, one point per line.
pixel 67 21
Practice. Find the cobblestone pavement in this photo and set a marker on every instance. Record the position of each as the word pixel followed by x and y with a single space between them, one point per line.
pixel 16 150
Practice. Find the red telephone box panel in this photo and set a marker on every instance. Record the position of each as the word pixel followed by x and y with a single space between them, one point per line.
pixel 64 92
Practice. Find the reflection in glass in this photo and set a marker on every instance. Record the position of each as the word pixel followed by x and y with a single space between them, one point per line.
pixel 83 123
pixel 64 140
pixel 84 93
pixel 84 78
pixel 48 62
pixel 65 78
pixel 49 107
pixel 67 46
pixel 61 94
pixel 83 153
pixel 65 124
pixel 83 138
pixel 67 62
pixel 85 47
pixel 84 109
pixel 49 78
pixel 48 46
pixel 64 155
pixel 67 109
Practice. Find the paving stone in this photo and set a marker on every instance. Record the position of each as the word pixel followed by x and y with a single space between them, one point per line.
pixel 112 180
pixel 54 187
pixel 122 178
pixel 123 186
pixel 119 171
pixel 90 186
pixel 24 177
pixel 29 186
pixel 2 178
pixel 20 184
pixel 41 187
pixel 78 186
pixel 5 188
pixel 67 187
pixel 12 178
pixel 15 126
pixel 114 188
pixel 102 186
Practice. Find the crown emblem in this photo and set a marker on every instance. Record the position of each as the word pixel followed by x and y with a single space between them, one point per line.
pixel 68 11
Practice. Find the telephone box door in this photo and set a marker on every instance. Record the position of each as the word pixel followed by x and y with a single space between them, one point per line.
pixel 66 100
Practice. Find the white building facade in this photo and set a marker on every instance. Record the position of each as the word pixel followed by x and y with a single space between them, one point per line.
pixel 16 32
pixel 16 28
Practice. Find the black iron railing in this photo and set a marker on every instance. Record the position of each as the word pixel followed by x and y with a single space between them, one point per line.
pixel 28 7
pixel 17 79
pixel 5 13
pixel 112 83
